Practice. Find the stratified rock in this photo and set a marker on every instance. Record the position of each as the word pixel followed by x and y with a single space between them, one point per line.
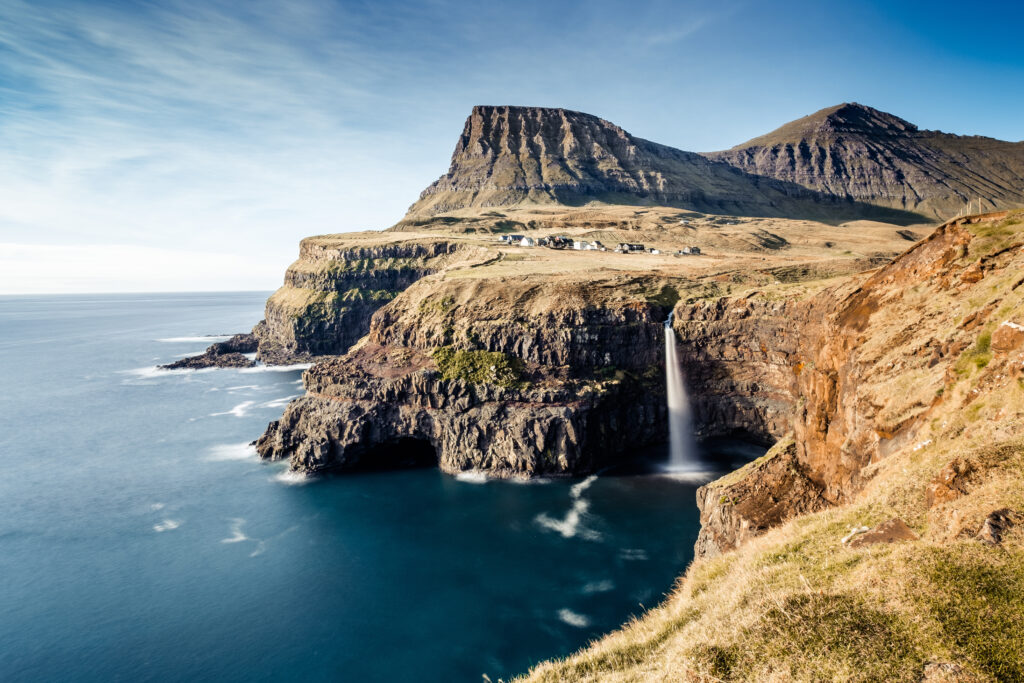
pixel 592 384
pixel 225 354
pixel 330 293
pixel 534 155
pixel 362 410
pixel 867 155
pixel 889 531
pixel 753 499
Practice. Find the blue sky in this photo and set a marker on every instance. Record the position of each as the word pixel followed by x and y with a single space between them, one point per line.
pixel 184 145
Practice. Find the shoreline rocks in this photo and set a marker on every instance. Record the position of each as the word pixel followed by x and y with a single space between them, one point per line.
pixel 225 354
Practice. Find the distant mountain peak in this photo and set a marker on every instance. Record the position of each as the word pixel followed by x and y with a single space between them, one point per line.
pixel 848 118
pixel 509 155
pixel 858 152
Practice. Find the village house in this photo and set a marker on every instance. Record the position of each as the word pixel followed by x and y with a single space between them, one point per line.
pixel 527 242
pixel 628 248
pixel 512 239
pixel 691 250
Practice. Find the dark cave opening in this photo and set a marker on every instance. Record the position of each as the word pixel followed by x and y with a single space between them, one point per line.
pixel 398 454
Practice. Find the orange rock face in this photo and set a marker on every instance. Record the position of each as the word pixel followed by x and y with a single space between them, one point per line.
pixel 1007 337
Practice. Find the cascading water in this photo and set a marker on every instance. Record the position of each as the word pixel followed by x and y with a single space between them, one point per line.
pixel 682 448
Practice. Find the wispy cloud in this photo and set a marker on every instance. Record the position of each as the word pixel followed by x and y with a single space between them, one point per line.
pixel 192 125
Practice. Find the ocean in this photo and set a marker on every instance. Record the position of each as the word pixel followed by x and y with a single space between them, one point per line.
pixel 141 539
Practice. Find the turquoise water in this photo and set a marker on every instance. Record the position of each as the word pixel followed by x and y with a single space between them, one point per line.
pixel 140 538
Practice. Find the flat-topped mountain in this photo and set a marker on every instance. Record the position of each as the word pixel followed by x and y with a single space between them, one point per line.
pixel 531 155
pixel 867 155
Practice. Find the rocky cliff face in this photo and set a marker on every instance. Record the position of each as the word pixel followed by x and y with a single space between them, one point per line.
pixel 551 385
pixel 515 155
pixel 738 356
pixel 331 292
pixel 867 155
pixel 880 364
pixel 885 357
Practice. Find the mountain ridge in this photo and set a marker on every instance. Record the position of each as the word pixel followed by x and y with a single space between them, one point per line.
pixel 509 155
pixel 864 154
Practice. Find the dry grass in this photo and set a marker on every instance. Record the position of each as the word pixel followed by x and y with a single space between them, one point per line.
pixel 797 605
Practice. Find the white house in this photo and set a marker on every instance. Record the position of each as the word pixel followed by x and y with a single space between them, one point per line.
pixel 579 245
pixel 527 242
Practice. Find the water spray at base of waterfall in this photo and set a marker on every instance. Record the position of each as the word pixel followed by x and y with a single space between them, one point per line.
pixel 683 455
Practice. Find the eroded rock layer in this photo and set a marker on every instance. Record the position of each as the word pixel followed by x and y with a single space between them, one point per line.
pixel 872 359
pixel 330 294
pixel 533 155
pixel 517 378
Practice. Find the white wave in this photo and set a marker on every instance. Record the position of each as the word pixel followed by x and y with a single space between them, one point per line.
pixel 190 353
pixel 167 525
pixel 279 402
pixel 529 481
pixel 242 386
pixel 292 478
pixel 599 586
pixel 690 476
pixel 238 411
pixel 278 368
pixel 577 489
pixel 154 372
pixel 573 618
pixel 572 524
pixel 633 554
pixel 237 535
pixel 250 356
pixel 231 451
pixel 156 506
pixel 205 338
pixel 472 477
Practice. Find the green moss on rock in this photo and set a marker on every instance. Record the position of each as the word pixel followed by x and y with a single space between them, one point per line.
pixel 479 367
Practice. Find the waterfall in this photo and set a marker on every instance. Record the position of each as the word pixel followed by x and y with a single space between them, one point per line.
pixel 682 448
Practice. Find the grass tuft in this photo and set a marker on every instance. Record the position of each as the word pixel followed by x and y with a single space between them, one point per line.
pixel 480 367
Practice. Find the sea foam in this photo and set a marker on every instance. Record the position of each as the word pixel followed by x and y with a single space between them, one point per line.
pixel 472 477
pixel 206 338
pixel 167 525
pixel 573 618
pixel 231 451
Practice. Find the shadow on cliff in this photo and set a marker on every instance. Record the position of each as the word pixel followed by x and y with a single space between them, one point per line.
pixel 793 201
pixel 405 453
pixel 724 407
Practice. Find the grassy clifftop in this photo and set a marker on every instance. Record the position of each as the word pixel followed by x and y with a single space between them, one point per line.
pixel 811 601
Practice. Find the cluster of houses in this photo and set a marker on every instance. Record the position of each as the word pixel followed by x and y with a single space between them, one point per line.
pixel 559 242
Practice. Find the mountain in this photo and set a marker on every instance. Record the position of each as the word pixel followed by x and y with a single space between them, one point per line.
pixel 867 155
pixel 531 155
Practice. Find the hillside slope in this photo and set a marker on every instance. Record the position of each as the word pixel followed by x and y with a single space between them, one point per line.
pixel 857 152
pixel 530 155
pixel 909 421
